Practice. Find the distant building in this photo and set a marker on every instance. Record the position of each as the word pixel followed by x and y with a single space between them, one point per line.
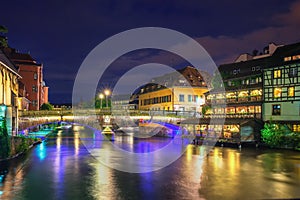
pixel 178 91
pixel 282 87
pixel 121 102
pixel 259 88
pixel 8 93
pixel 243 97
pixel 36 90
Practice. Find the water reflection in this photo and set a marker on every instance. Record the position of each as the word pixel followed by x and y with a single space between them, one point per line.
pixel 62 168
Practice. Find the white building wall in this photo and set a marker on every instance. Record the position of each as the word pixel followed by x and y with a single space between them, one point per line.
pixel 290 111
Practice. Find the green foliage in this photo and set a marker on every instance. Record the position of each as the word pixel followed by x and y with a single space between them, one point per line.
pixel 46 106
pixel 98 102
pixel 3 39
pixel 278 135
pixel 205 108
pixel 23 146
pixel 4 141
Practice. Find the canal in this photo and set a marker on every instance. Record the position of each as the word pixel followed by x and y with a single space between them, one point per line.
pixel 64 168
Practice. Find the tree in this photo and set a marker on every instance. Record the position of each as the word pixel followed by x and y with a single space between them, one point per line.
pixel 205 108
pixel 275 135
pixel 3 38
pixel 4 141
pixel 46 106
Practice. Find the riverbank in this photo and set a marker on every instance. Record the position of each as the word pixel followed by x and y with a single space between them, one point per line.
pixel 19 145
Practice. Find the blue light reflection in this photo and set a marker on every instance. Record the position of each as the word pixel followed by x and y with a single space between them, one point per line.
pixel 41 151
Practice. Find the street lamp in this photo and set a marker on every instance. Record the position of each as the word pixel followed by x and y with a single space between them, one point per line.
pixel 106 92
pixel 101 96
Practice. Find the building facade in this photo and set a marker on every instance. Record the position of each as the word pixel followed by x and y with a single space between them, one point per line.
pixel 9 93
pixel 282 87
pixel 31 72
pixel 244 98
pixel 259 89
pixel 177 91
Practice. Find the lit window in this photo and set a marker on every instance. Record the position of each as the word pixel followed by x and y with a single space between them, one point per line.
pixel 277 92
pixel 277 73
pixel 243 93
pixel 291 91
pixel 288 58
pixel 296 128
pixel 296 57
pixel 256 92
pixel 35 76
pixel 181 97
pixel 276 109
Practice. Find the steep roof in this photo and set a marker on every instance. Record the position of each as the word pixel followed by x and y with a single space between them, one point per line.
pixel 20 58
pixel 4 59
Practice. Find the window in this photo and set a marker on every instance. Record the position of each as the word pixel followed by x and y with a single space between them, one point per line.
pixel 190 98
pixel 296 127
pixel 276 109
pixel 35 76
pixel 258 79
pixel 34 102
pixel 277 92
pixel 236 71
pixel 277 73
pixel 293 72
pixel 296 57
pixel 291 91
pixel 181 97
pixel 253 81
pixel 34 88
pixel 288 58
pixel 196 98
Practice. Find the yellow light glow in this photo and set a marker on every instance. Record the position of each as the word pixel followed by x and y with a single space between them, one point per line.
pixel 291 91
pixel 106 92
pixel 277 92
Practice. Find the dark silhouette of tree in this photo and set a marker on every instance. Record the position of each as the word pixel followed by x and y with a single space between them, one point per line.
pixel 3 38
pixel 46 106
pixel 4 141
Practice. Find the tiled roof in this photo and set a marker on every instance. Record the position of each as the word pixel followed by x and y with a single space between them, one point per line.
pixel 20 58
pixel 4 59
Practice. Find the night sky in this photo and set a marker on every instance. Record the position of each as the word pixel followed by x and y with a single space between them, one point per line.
pixel 60 34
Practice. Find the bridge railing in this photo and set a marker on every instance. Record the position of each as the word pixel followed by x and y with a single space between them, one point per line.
pixel 108 111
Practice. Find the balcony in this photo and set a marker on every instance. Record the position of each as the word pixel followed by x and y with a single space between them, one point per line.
pixel 235 100
pixel 235 116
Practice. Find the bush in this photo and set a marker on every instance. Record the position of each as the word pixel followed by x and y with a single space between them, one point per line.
pixel 23 146
pixel 46 106
pixel 4 141
pixel 278 135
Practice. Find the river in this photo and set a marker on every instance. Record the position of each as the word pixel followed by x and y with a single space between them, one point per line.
pixel 63 168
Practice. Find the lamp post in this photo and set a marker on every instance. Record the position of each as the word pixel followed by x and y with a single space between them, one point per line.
pixel 106 92
pixel 101 96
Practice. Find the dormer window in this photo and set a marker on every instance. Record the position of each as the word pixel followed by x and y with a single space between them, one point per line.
pixel 288 58
pixel 296 57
